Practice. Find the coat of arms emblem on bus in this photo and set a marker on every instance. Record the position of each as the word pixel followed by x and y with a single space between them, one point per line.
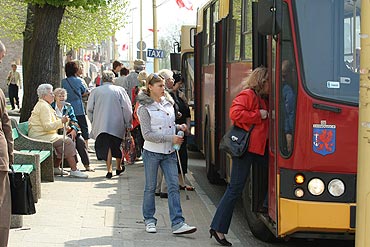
pixel 324 138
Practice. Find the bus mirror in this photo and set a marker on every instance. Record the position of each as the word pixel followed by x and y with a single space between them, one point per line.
pixel 175 59
pixel 269 17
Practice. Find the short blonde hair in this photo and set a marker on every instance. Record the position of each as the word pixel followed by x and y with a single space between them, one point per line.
pixel 59 91
pixel 142 77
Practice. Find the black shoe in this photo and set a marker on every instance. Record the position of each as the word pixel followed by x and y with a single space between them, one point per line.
pixel 163 195
pixel 223 241
pixel 109 175
pixel 118 172
pixel 157 194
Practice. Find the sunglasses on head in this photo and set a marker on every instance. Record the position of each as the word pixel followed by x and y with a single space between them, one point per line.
pixel 156 77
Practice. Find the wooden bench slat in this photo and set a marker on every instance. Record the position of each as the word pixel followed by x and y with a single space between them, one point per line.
pixel 43 154
pixel 15 133
pixel 26 168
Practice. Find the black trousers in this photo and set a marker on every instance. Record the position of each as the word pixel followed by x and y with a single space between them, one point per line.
pixel 13 95
pixel 82 150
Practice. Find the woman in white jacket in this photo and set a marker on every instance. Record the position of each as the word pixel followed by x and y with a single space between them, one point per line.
pixel 157 120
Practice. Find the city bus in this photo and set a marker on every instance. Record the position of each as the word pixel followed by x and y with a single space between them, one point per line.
pixel 310 47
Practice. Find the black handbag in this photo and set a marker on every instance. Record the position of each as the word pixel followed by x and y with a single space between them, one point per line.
pixel 21 193
pixel 235 141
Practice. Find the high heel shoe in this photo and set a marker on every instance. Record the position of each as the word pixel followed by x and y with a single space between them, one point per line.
pixel 223 241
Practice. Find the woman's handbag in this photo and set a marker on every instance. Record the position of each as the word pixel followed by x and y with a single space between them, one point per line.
pixel 235 141
pixel 21 192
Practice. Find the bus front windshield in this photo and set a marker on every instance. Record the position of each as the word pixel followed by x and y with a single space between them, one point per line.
pixel 329 35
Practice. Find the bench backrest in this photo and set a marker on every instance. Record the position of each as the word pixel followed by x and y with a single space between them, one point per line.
pixel 15 133
pixel 23 127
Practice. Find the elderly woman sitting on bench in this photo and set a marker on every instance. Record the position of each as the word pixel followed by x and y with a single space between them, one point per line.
pixel 44 124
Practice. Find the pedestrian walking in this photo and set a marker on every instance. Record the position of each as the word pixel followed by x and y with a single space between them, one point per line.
pixel 14 84
pixel 6 159
pixel 157 119
pixel 110 112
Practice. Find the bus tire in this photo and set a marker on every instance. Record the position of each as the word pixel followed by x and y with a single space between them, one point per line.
pixel 256 225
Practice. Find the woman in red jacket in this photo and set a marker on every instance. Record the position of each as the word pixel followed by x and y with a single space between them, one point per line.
pixel 250 107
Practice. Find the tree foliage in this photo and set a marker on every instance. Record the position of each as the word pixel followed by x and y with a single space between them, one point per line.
pixel 84 21
pixel 84 26
pixel 12 19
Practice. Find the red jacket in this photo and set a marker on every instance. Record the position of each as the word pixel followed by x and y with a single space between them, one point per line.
pixel 244 112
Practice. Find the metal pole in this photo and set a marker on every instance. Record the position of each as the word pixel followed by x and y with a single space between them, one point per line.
pixel 363 168
pixel 64 139
pixel 141 29
pixel 155 41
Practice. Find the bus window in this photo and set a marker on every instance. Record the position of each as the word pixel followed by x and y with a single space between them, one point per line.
pixel 326 50
pixel 213 32
pixel 246 53
pixel 235 32
pixel 288 87
pixel 206 36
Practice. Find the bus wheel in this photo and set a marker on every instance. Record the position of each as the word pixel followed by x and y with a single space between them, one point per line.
pixel 256 225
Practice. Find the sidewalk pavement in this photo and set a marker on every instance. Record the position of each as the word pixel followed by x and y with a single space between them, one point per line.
pixel 102 212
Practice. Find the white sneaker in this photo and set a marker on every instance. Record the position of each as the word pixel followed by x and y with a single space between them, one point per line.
pixel 150 227
pixel 185 229
pixel 78 174
pixel 58 171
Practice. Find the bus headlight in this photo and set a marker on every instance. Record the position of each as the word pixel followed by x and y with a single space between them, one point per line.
pixel 336 187
pixel 316 186
pixel 299 192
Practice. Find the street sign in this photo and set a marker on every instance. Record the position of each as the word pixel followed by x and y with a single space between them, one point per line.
pixel 140 45
pixel 155 53
pixel 143 55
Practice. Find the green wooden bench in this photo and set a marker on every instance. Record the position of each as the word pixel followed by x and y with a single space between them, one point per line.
pixel 42 151
pixel 30 163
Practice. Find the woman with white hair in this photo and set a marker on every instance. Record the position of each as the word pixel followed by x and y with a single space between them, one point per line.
pixel 44 124
pixel 110 112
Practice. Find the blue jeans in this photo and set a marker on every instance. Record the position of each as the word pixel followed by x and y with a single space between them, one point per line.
pixel 168 164
pixel 239 174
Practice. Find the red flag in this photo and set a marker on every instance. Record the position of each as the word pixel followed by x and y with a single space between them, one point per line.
pixel 124 47
pixel 185 4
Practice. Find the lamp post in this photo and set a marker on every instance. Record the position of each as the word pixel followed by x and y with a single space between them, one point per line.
pixel 141 29
pixel 155 41
pixel 363 168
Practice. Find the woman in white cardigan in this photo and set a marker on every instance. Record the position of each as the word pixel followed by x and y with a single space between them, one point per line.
pixel 157 120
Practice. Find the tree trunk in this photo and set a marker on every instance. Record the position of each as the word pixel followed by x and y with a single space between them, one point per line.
pixel 41 57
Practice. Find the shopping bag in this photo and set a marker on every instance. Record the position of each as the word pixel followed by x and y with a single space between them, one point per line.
pixel 128 148
pixel 21 193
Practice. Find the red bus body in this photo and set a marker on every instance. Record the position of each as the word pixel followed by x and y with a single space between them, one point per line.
pixel 325 119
